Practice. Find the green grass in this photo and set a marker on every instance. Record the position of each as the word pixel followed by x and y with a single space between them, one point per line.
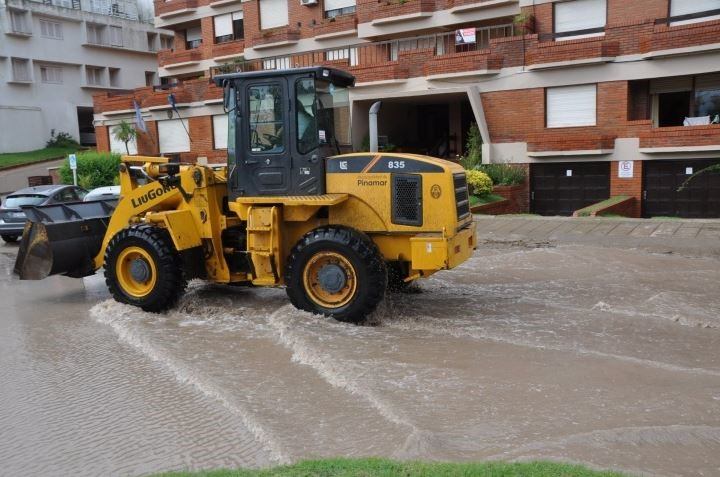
pixel 389 468
pixel 18 158
pixel 587 211
pixel 485 199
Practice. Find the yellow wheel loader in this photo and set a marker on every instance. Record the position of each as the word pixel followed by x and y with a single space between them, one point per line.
pixel 287 210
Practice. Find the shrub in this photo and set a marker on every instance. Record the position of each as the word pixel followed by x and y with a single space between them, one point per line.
pixel 504 174
pixel 61 139
pixel 94 169
pixel 473 149
pixel 479 183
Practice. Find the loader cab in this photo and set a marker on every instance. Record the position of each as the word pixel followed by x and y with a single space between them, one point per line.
pixel 282 125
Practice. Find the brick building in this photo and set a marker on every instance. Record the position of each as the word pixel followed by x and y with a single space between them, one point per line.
pixel 597 98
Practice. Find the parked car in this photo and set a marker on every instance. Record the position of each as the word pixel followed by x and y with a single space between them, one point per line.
pixel 103 193
pixel 12 217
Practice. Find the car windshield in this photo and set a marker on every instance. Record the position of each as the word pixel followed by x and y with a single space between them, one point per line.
pixel 15 201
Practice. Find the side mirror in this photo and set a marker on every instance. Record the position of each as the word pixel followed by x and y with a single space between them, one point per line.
pixel 228 97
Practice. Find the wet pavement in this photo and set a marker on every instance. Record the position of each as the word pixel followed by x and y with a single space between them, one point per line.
pixel 539 347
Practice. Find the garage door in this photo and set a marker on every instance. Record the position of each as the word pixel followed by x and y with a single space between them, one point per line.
pixel 563 188
pixel 701 199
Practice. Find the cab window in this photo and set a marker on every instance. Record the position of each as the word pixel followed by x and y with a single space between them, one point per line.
pixel 307 132
pixel 266 119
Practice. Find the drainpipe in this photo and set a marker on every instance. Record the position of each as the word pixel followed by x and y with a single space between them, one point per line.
pixel 374 110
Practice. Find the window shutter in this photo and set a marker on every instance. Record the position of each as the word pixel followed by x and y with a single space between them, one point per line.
pixel 580 15
pixel 338 4
pixel 273 13
pixel 671 85
pixel 194 33
pixel 173 137
pixel 571 106
pixel 237 15
pixel 118 147
pixel 708 82
pixel 220 131
pixel 223 25
pixel 687 7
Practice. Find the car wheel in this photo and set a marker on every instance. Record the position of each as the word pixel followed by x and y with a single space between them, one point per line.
pixel 10 238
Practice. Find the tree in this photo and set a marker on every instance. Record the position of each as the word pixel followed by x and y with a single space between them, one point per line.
pixel 125 132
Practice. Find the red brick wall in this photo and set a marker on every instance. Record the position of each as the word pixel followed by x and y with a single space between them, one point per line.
pixel 102 138
pixel 629 187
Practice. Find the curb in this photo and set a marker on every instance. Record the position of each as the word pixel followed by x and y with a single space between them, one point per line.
pixel 32 163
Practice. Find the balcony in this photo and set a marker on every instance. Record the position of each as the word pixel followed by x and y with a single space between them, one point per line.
pixel 173 8
pixel 275 37
pixel 570 142
pixel 176 59
pixel 557 54
pixel 667 39
pixel 468 63
pixel 680 139
pixel 227 50
pixel 329 28
pixel 435 56
pixel 384 12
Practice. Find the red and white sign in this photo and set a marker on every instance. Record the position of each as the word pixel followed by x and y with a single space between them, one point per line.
pixel 464 36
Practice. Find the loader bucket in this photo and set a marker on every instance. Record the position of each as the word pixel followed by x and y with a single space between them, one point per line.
pixel 62 239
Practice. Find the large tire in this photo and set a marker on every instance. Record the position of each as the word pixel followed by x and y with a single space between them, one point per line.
pixel 142 268
pixel 10 238
pixel 336 271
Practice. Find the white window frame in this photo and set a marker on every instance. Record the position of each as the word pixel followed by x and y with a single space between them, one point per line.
pixel 18 22
pixel 587 20
pixel 172 137
pixel 220 131
pixel 166 40
pixel 50 74
pixel 96 73
pixel 95 34
pixel 118 147
pixel 276 14
pixel 116 35
pixel 562 102
pixel 51 29
pixel 114 77
pixel 686 7
pixel 21 69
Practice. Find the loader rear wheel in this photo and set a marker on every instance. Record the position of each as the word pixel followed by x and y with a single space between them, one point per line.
pixel 338 272
pixel 142 268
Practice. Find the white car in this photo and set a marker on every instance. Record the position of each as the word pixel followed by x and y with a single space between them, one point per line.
pixel 103 193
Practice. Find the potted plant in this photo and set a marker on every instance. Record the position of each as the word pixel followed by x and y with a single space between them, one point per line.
pixel 525 23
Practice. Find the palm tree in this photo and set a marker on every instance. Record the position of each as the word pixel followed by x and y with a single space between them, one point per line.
pixel 125 132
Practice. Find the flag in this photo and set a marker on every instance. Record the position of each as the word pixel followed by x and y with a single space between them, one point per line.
pixel 139 121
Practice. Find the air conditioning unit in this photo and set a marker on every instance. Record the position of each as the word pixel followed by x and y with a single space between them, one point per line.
pixel 308 3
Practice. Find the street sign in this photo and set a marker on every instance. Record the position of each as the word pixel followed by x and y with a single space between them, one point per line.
pixel 626 170
pixel 72 159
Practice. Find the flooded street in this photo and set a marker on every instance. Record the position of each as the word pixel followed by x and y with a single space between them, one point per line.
pixel 533 349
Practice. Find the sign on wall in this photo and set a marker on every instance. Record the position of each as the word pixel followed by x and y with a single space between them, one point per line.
pixel 464 36
pixel 626 169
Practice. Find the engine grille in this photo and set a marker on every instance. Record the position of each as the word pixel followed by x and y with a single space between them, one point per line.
pixel 407 199
pixel 462 201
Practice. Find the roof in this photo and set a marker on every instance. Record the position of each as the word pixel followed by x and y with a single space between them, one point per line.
pixel 336 76
pixel 40 190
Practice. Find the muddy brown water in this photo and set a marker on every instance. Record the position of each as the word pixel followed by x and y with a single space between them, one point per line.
pixel 604 356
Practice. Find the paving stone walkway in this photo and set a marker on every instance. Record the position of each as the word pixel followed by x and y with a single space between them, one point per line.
pixel 687 236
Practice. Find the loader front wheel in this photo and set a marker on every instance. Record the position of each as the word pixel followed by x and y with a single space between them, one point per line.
pixel 142 268
pixel 336 271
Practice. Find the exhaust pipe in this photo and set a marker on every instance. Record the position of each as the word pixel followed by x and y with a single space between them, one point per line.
pixel 62 239
pixel 374 110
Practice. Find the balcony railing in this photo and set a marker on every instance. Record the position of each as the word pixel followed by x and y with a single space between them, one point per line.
pixel 126 9
pixel 410 53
